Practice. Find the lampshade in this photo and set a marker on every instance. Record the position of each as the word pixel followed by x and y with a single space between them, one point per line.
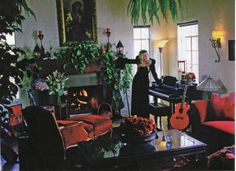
pixel 160 43
pixel 119 45
pixel 209 85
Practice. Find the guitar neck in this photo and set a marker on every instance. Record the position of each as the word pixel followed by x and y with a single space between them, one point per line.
pixel 184 94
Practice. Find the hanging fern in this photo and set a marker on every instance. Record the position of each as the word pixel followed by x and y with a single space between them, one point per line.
pixel 151 8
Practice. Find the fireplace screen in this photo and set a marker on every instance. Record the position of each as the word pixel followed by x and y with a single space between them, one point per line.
pixel 84 99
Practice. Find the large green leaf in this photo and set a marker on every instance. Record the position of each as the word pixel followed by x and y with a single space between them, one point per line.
pixel 150 8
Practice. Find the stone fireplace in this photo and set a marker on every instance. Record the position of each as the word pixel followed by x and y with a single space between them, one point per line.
pixel 85 92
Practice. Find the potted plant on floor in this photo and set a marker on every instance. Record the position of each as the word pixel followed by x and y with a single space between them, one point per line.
pixel 116 80
pixel 11 17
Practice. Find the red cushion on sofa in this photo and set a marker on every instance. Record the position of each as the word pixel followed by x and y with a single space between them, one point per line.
pixel 201 106
pixel 229 107
pixel 217 104
pixel 225 126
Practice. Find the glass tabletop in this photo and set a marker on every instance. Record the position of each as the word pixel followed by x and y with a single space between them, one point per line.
pixel 106 147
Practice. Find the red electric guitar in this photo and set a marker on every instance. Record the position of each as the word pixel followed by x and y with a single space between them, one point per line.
pixel 180 119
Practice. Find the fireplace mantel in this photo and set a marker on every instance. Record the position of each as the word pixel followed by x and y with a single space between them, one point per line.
pixel 80 80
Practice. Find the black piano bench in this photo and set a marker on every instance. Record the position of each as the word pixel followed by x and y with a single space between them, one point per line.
pixel 159 110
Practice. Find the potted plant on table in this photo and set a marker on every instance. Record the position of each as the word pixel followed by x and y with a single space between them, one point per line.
pixel 138 130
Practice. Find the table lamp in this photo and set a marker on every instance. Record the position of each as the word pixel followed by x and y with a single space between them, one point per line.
pixel 209 85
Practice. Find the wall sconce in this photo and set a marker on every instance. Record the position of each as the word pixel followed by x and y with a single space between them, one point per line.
pixel 160 44
pixel 216 42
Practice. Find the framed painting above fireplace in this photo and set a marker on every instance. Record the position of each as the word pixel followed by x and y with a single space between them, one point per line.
pixel 76 20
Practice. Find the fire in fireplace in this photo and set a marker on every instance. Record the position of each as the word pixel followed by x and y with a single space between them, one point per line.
pixel 84 99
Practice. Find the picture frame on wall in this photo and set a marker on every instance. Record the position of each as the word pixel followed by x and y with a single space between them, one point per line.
pixel 231 45
pixel 76 20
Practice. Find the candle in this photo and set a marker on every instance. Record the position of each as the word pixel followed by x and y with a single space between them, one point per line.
pixel 103 50
pixel 40 33
pixel 108 30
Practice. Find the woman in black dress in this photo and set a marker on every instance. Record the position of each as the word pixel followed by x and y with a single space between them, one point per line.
pixel 140 100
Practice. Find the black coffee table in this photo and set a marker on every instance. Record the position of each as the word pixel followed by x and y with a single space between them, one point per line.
pixel 109 152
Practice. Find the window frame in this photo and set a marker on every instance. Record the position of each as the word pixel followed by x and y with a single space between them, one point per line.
pixel 191 64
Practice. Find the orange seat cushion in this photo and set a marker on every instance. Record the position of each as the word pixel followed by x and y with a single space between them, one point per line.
pixel 100 124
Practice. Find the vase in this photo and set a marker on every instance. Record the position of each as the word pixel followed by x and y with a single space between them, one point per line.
pixel 137 139
pixel 54 99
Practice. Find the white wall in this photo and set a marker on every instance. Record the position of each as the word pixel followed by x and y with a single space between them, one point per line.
pixel 46 20
pixel 211 14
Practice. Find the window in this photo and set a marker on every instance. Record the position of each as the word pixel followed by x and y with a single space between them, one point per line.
pixel 188 46
pixel 141 38
pixel 10 39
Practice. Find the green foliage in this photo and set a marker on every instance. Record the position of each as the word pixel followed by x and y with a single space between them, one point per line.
pixel 108 60
pixel 112 74
pixel 56 83
pixel 126 77
pixel 151 9
pixel 9 71
pixel 25 82
pixel 78 55
pixel 11 17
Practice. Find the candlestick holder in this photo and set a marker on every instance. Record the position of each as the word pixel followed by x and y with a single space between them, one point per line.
pixel 108 33
pixel 41 36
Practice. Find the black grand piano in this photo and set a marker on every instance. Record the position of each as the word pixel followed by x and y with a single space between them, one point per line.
pixel 173 92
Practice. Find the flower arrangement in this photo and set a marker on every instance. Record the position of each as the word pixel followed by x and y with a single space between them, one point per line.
pixel 138 126
pixel 56 82
pixel 40 84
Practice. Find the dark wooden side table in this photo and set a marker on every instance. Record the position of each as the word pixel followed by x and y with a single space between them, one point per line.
pixel 60 111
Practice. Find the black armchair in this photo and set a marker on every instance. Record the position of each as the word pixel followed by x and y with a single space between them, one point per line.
pixel 43 148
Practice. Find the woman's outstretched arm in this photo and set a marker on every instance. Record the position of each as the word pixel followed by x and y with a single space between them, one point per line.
pixel 120 61
pixel 153 71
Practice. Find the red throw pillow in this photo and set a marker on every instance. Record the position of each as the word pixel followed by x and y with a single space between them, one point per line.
pixel 217 104
pixel 229 107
